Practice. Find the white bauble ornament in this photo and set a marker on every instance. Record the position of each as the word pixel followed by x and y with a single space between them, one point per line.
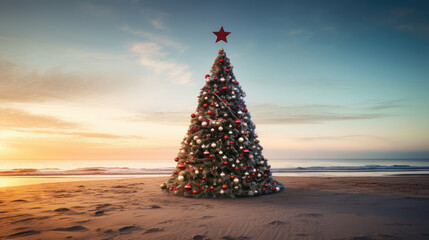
pixel 212 130
pixel 232 92
pixel 196 171
pixel 182 151
pixel 241 147
pixel 259 175
pixel 233 97
pixel 225 115
pixel 206 98
pixel 222 79
pixel 222 191
pixel 222 174
pixel 180 178
pixel 200 118
pixel 239 112
pixel 251 156
pixel 246 118
pixel 192 153
pixel 277 189
pixel 213 145
pixel 230 132
pixel 217 105
pixel 233 80
pixel 236 180
pixel 246 173
pixel 251 193
pixel 237 161
pixel 203 146
pixel 244 94
pixel 204 124
pixel 204 93
pixel 241 139
pixel 199 141
pixel 233 165
pixel 224 157
pixel 220 152
pixel 261 162
pixel 220 128
pixel 236 187
pixel 195 137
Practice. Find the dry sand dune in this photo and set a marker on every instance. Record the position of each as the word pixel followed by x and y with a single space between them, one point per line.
pixel 309 208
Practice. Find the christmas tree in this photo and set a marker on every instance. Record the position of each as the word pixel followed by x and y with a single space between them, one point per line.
pixel 221 156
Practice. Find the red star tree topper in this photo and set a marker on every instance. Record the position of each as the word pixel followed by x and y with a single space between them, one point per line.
pixel 221 35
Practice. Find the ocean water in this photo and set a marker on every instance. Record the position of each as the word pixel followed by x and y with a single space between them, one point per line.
pixel 23 172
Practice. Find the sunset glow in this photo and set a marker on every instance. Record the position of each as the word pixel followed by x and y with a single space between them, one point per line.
pixel 109 80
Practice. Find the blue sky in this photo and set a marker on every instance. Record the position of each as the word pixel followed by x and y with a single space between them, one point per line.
pixel 337 79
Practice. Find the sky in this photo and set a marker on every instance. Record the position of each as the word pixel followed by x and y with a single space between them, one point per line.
pixel 102 80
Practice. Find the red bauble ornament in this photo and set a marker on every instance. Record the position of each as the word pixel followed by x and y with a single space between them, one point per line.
pixel 217 92
pixel 175 172
pixel 176 159
pixel 221 60
pixel 171 188
pixel 273 188
pixel 208 135
pixel 225 162
pixel 210 112
pixel 188 187
pixel 215 78
pixel 207 75
pixel 232 177
pixel 224 88
pixel 266 184
pixel 211 187
pixel 204 178
pixel 245 110
pixel 181 166
pixel 212 104
pixel 226 137
pixel 187 161
pixel 248 166
pixel 237 121
pixel 246 151
pixel 224 186
pixel 213 169
pixel 265 175
pixel 205 105
pixel 201 169
pixel 227 70
pixel 206 153
pixel 211 156
pixel 194 192
pixel 192 115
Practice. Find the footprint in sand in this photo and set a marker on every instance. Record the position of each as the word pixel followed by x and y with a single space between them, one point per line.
pixel 199 237
pixel 129 229
pixel 151 230
pixel 276 222
pixel 24 233
pixel 314 215
pixel 72 229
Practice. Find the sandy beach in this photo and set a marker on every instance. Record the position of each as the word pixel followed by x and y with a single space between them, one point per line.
pixel 309 208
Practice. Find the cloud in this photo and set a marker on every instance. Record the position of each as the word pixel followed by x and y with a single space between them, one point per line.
pixel 79 134
pixel 151 37
pixel 305 114
pixel 150 56
pixel 157 23
pixel 14 118
pixel 20 83
pixel 289 114
pixel 332 138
